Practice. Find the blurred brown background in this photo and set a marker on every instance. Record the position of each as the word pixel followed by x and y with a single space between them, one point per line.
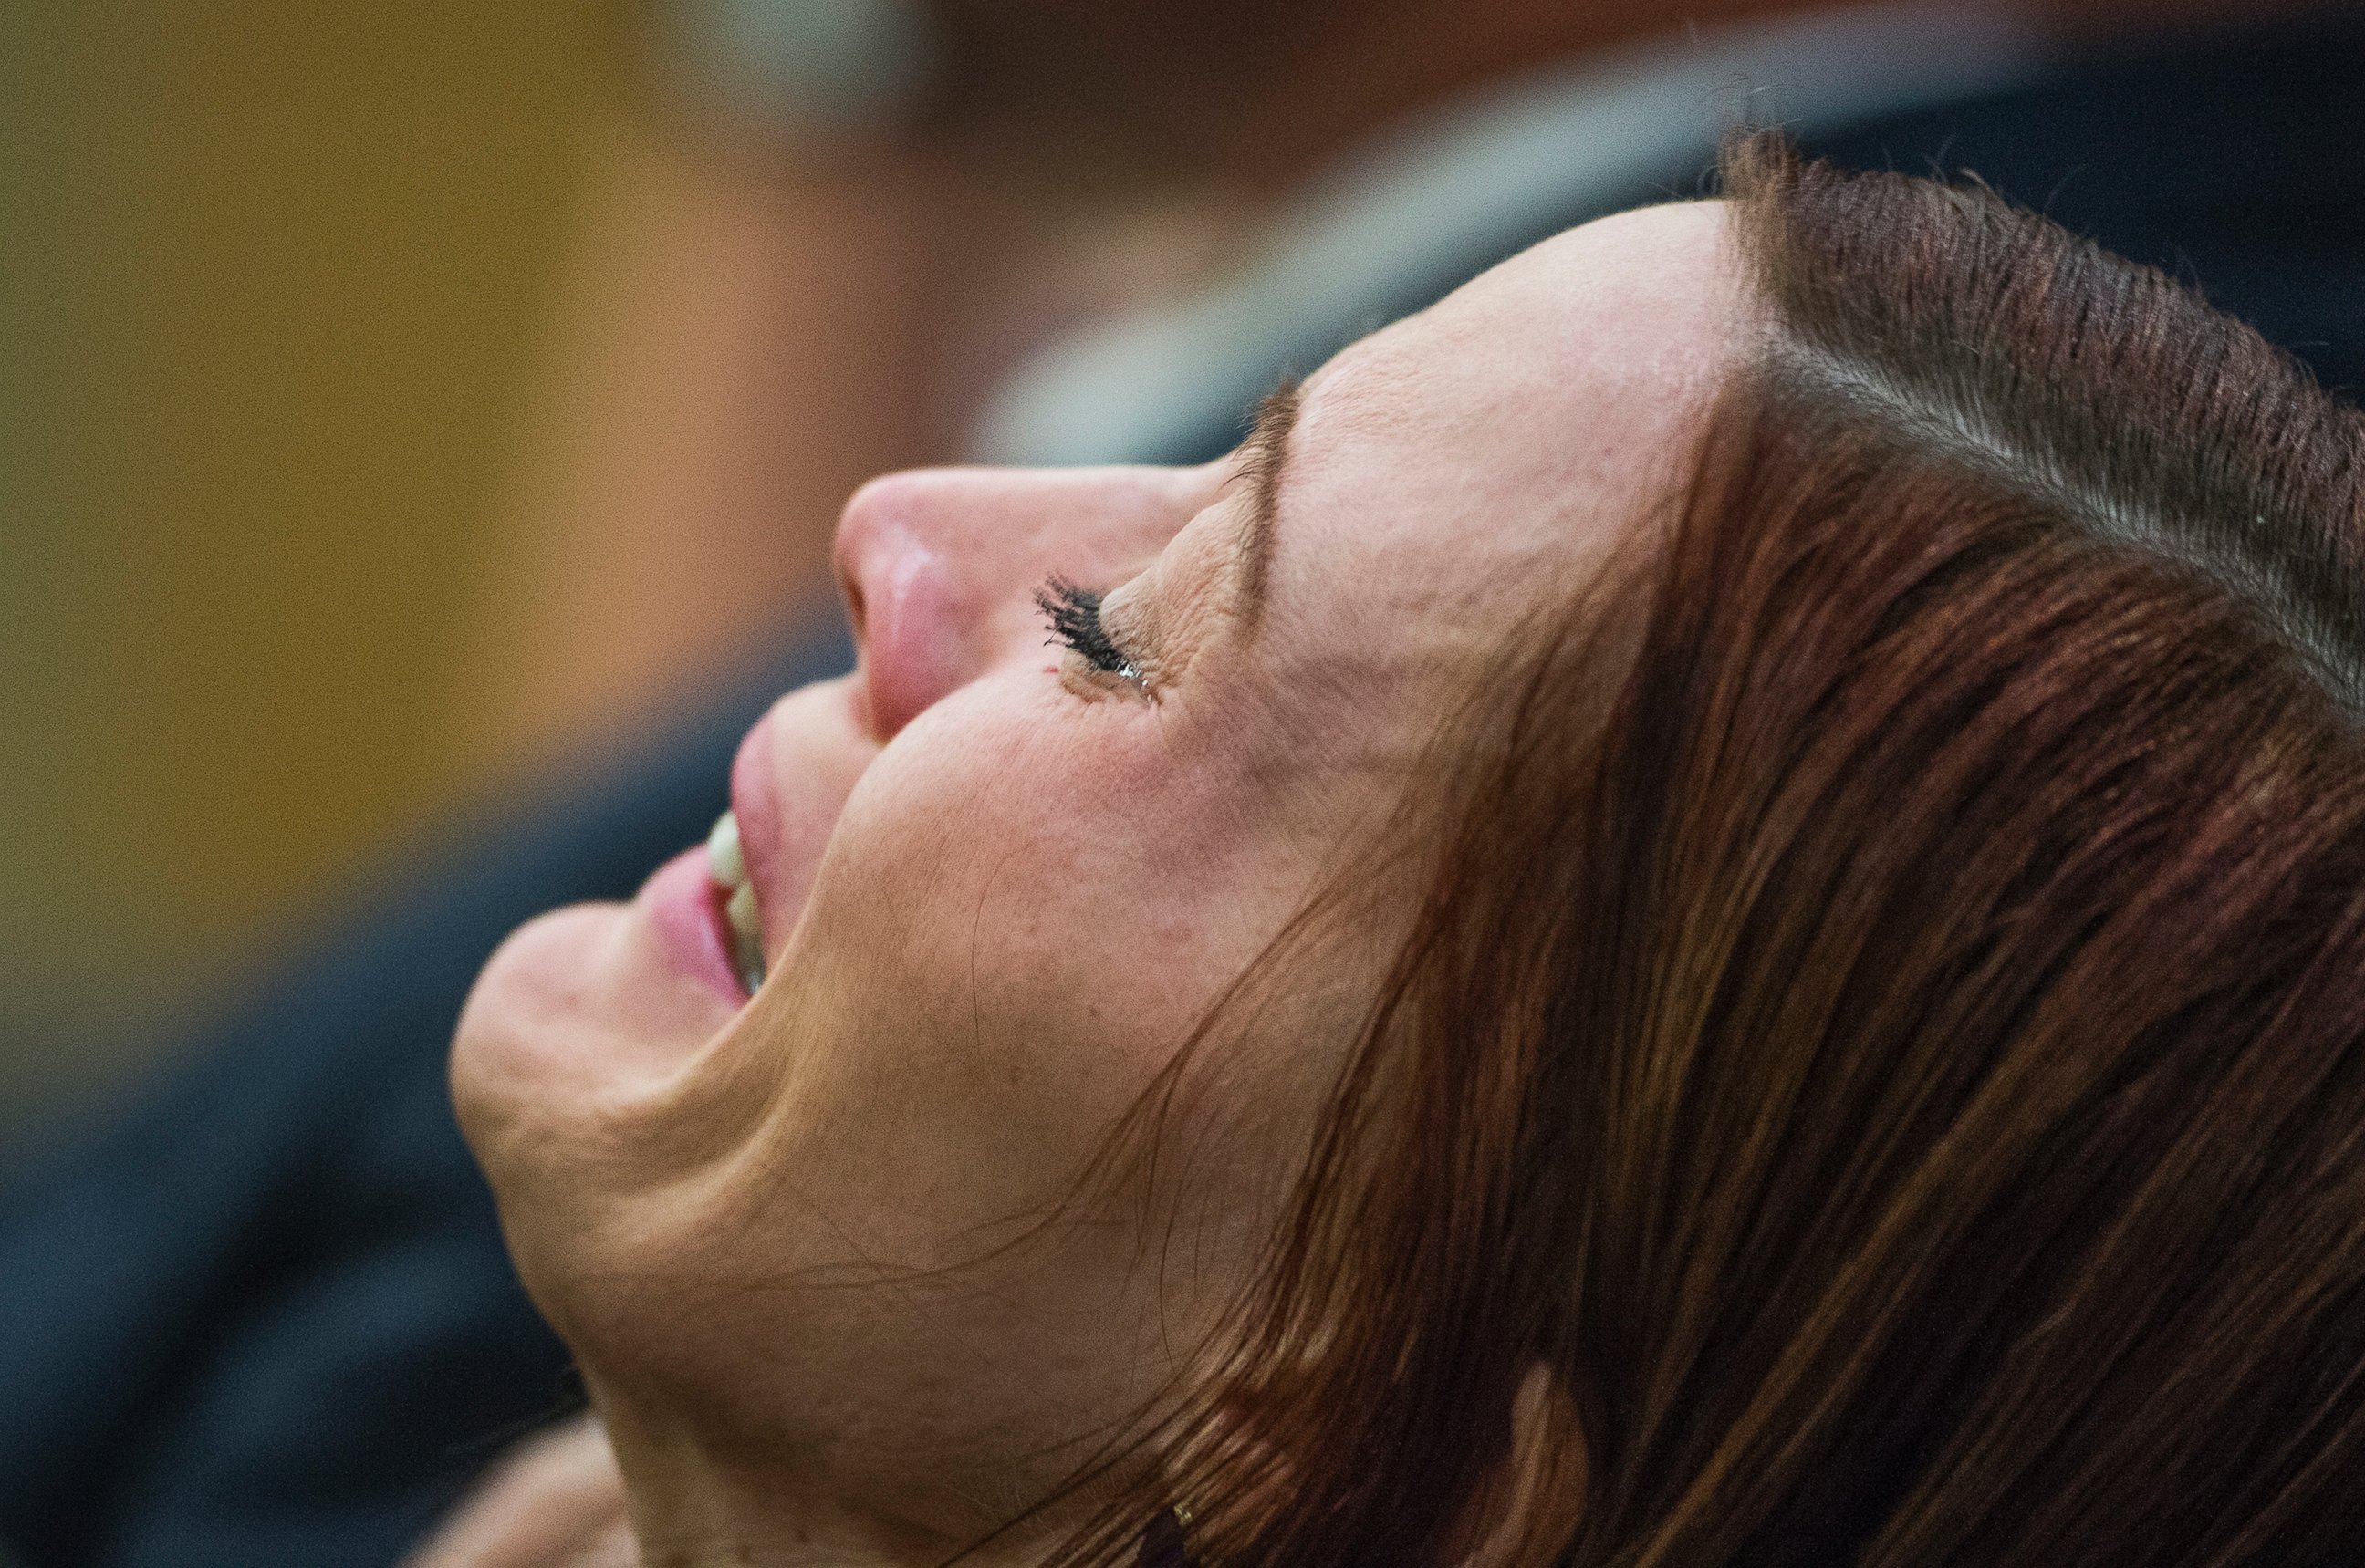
pixel 271 277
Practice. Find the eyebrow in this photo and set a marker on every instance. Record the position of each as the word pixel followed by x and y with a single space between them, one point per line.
pixel 1264 462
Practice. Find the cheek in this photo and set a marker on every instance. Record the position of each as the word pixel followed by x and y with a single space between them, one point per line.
pixel 1021 916
pixel 1033 870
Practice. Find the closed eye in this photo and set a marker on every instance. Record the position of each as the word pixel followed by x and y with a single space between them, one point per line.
pixel 1074 617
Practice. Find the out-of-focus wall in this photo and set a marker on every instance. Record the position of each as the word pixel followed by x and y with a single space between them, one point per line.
pixel 269 280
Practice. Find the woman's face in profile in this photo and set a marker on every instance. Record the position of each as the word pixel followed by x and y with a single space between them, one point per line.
pixel 829 1244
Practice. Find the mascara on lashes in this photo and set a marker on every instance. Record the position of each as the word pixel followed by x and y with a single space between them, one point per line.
pixel 1074 614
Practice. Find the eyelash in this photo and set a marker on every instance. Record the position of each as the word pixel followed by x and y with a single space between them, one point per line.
pixel 1074 615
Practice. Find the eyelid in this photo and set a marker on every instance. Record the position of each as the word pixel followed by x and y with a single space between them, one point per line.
pixel 1075 618
pixel 1161 617
pixel 1098 683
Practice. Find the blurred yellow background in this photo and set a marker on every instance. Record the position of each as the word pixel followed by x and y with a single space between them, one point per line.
pixel 271 277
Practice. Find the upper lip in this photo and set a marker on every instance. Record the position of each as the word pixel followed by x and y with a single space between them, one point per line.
pixel 753 802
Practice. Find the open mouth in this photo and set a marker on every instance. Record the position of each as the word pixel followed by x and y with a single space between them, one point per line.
pixel 742 923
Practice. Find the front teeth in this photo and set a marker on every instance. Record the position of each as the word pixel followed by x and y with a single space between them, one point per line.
pixel 727 865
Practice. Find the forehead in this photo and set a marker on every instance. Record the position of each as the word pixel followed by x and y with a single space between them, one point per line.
pixel 1519 425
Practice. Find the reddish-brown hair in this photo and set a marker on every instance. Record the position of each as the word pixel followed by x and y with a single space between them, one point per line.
pixel 1901 1066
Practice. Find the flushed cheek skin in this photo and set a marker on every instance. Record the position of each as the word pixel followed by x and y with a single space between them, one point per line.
pixel 1085 895
pixel 1022 912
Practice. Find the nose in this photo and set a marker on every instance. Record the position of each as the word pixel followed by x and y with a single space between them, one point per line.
pixel 939 566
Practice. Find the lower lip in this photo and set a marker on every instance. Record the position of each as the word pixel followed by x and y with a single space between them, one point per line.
pixel 682 906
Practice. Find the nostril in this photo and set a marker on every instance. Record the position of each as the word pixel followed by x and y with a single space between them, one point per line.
pixel 924 561
pixel 849 589
pixel 869 531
